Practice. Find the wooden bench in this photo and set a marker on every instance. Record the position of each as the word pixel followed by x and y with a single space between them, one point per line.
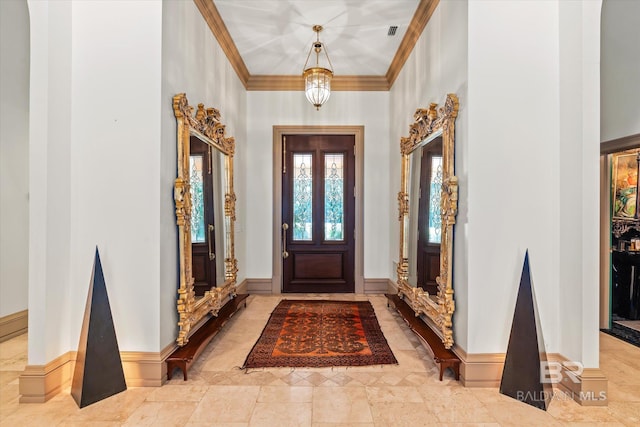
pixel 183 357
pixel 444 357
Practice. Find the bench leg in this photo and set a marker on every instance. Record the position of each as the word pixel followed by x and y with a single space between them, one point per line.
pixel 169 370
pixel 455 368
pixel 180 365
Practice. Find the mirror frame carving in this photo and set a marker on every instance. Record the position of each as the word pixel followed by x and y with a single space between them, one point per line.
pixel 429 124
pixel 206 125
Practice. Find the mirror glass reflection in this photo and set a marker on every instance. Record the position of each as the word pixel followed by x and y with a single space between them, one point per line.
pixel 425 222
pixel 208 228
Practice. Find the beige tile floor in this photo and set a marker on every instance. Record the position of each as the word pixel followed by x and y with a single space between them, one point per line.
pixel 407 394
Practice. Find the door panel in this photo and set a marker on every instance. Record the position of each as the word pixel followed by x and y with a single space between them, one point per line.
pixel 318 209
pixel 317 266
pixel 202 217
pixel 429 223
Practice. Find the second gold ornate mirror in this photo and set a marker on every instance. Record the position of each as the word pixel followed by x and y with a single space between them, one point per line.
pixel 205 214
pixel 428 201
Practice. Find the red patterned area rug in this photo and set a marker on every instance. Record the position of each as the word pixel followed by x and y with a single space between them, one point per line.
pixel 318 333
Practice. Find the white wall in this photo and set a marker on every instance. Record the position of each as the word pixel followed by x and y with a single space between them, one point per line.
pixel 193 63
pixel 579 157
pixel 266 109
pixel 103 161
pixel 513 165
pixel 436 67
pixel 94 169
pixel 620 68
pixel 49 180
pixel 533 171
pixel 115 161
pixel 14 156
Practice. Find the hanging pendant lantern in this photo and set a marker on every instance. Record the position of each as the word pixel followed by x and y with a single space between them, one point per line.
pixel 317 79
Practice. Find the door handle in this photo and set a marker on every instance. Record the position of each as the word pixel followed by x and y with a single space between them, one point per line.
pixel 212 255
pixel 285 227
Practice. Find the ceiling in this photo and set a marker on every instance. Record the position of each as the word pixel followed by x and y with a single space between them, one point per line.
pixel 267 41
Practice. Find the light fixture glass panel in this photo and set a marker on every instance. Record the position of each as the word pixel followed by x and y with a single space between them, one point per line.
pixel 334 196
pixel 302 196
pixel 435 187
pixel 197 199
pixel 317 85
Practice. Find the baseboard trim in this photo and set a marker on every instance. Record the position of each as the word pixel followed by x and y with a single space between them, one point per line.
pixel 393 287
pixel 39 383
pixel 145 369
pixel 594 388
pixel 13 325
pixel 480 369
pixel 242 288
pixel 265 286
pixel 589 388
pixel 258 286
pixel 376 286
pixel 485 370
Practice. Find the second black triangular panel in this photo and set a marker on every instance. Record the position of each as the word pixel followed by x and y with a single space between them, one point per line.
pixel 521 378
pixel 98 372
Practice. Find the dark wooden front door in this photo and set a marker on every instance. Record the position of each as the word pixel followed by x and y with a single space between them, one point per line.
pixel 429 222
pixel 202 217
pixel 318 213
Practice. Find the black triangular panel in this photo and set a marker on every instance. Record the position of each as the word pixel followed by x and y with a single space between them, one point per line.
pixel 98 373
pixel 521 377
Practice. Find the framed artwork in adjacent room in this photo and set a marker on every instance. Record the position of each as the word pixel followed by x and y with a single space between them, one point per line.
pixel 625 184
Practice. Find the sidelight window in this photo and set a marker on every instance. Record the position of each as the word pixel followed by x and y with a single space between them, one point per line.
pixel 435 188
pixel 302 196
pixel 334 197
pixel 197 199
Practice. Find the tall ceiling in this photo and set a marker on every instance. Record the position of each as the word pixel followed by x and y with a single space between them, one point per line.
pixel 267 41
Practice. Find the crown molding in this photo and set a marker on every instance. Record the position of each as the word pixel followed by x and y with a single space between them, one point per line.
pixel 295 83
pixel 338 83
pixel 620 144
pixel 217 26
pixel 368 83
pixel 420 19
pixel 276 83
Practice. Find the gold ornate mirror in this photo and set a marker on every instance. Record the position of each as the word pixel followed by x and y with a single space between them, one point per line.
pixel 205 214
pixel 428 203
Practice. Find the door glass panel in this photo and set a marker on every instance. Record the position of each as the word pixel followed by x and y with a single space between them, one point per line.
pixel 197 199
pixel 333 197
pixel 435 187
pixel 302 196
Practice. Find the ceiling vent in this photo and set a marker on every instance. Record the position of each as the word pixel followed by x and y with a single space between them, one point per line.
pixel 392 30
